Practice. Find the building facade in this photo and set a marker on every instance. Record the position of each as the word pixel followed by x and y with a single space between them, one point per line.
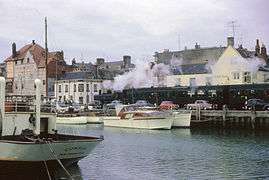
pixel 234 66
pixel 80 91
pixel 28 64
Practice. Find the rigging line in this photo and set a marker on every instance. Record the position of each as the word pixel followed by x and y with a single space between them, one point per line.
pixel 47 170
pixel 58 160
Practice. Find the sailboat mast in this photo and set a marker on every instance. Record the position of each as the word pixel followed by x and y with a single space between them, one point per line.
pixel 46 55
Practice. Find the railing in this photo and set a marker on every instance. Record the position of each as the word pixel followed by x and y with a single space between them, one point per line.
pixel 25 104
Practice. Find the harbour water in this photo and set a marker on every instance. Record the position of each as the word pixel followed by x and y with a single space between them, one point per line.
pixel 172 154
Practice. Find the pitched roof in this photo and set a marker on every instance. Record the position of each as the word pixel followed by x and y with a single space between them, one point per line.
pixel 190 69
pixel 37 51
pixel 191 56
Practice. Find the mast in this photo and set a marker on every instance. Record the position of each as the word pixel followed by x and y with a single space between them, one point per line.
pixel 46 55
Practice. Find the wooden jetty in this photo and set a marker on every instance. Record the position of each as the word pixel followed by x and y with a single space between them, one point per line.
pixel 245 119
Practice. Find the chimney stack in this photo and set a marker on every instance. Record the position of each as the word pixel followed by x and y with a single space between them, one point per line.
pixel 100 61
pixel 263 52
pixel 14 51
pixel 230 41
pixel 257 47
pixel 33 42
pixel 126 61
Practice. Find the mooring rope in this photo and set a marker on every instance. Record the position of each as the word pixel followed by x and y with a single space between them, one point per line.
pixel 47 170
pixel 61 164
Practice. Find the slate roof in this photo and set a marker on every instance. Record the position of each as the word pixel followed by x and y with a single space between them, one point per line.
pixel 190 69
pixel 77 75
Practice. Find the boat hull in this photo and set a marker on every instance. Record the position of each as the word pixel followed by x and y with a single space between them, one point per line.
pixel 158 123
pixel 94 119
pixel 181 119
pixel 72 120
pixel 68 151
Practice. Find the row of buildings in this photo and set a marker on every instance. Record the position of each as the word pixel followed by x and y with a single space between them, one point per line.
pixel 216 65
pixel 77 81
pixel 80 82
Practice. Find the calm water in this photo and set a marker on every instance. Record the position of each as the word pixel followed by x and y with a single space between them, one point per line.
pixel 172 154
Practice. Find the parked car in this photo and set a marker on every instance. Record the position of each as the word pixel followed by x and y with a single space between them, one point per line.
pixel 113 104
pixel 95 105
pixel 143 103
pixel 256 104
pixel 61 107
pixel 165 105
pixel 200 103
pixel 74 107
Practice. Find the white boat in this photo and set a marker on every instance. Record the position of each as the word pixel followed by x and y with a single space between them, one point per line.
pixel 94 119
pixel 72 120
pixel 141 119
pixel 181 119
pixel 31 137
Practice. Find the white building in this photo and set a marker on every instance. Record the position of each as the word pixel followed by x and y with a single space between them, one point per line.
pixel 79 90
pixel 234 66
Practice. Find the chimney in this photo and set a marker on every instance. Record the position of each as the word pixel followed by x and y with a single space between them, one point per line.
pixel 263 52
pixel 14 52
pixel 197 46
pixel 100 61
pixel 230 41
pixel 126 61
pixel 33 42
pixel 257 47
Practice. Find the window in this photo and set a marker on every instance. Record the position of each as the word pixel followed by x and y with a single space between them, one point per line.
pixel 66 88
pixel 28 60
pixel 87 88
pixel 75 88
pixel 44 82
pixel 95 87
pixel 236 75
pixel 80 100
pixel 81 88
pixel 21 86
pixel 247 77
pixel 60 88
pixel 88 98
pixel 22 61
pixel 16 62
pixel 192 82
pixel 60 98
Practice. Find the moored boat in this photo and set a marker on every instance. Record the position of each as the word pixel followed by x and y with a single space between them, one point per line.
pixel 31 137
pixel 181 119
pixel 141 119
pixel 72 120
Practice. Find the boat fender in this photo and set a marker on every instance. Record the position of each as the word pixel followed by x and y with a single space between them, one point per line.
pixel 32 120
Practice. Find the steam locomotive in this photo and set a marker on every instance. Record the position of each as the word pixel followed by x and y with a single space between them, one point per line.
pixel 233 96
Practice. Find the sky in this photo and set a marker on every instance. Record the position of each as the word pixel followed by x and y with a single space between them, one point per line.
pixel 86 30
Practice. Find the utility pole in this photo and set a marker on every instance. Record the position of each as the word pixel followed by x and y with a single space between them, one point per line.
pixel 46 55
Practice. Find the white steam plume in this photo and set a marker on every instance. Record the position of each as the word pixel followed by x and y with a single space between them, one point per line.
pixel 144 75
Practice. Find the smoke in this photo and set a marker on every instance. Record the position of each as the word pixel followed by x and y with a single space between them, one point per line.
pixel 144 75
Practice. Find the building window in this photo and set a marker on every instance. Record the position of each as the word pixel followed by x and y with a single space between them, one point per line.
pixel 88 98
pixel 88 88
pixel 60 88
pixel 66 88
pixel 75 88
pixel 95 87
pixel 247 77
pixel 80 100
pixel 22 86
pixel 60 98
pixel 28 60
pixel 22 61
pixel 44 82
pixel 16 62
pixel 192 82
pixel 236 75
pixel 81 88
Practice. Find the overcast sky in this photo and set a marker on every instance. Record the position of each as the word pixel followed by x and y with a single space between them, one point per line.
pixel 113 28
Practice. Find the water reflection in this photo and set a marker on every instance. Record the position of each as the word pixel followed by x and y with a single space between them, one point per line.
pixel 34 172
